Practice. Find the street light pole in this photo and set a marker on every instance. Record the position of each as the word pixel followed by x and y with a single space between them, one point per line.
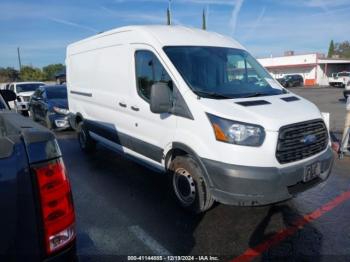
pixel 19 58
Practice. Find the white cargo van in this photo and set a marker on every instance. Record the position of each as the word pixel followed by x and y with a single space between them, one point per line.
pixel 197 105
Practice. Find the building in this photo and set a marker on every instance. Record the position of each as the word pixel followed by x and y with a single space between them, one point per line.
pixel 314 68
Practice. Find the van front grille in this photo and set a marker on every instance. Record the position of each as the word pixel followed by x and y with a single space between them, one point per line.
pixel 301 140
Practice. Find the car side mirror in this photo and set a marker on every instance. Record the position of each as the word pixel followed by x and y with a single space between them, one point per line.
pixel 8 95
pixel 161 98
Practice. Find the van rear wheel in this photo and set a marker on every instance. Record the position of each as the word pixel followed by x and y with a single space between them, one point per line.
pixel 189 186
pixel 87 144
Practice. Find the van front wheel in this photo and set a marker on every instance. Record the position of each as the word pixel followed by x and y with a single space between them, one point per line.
pixel 189 185
pixel 87 144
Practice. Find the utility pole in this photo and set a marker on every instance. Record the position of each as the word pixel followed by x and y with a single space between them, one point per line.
pixel 204 20
pixel 19 59
pixel 168 14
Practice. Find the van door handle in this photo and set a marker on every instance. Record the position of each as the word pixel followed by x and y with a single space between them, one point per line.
pixel 135 108
pixel 122 104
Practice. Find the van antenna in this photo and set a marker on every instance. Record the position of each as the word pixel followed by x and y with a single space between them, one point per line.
pixel 204 20
pixel 168 13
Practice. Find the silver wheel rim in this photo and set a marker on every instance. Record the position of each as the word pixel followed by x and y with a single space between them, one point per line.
pixel 184 186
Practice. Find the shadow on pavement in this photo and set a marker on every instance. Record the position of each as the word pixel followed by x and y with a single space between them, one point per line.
pixel 304 245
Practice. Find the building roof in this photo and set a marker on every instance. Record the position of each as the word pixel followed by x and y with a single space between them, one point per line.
pixel 170 35
pixel 334 61
pixel 306 60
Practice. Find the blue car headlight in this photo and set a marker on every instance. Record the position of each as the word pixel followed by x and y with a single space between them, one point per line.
pixel 61 111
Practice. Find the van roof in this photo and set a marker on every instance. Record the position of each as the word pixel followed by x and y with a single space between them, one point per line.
pixel 171 36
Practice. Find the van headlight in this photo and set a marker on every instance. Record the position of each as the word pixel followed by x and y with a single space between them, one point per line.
pixel 238 133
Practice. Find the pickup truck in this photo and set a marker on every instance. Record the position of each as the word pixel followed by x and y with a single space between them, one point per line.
pixel 339 79
pixel 37 211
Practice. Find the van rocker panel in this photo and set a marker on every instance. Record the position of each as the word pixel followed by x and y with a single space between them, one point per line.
pixel 254 186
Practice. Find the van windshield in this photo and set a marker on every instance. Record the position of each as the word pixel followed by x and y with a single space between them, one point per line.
pixel 222 73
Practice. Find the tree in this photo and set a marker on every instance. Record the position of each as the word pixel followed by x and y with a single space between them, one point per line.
pixel 8 74
pixel 50 71
pixel 29 73
pixel 331 49
pixel 343 49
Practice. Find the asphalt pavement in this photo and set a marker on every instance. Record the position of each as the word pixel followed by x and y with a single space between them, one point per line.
pixel 126 209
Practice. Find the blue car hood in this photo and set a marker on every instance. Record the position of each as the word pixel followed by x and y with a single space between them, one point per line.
pixel 61 103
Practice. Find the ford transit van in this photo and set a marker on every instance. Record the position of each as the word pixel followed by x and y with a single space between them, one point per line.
pixel 199 107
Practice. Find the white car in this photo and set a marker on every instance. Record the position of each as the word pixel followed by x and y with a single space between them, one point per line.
pixel 181 100
pixel 339 79
pixel 23 90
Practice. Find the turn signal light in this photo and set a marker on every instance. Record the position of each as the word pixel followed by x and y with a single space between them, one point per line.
pixel 57 207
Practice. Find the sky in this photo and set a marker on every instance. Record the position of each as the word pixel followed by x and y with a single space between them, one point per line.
pixel 43 28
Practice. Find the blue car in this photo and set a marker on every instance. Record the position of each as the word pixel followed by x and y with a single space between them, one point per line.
pixel 49 104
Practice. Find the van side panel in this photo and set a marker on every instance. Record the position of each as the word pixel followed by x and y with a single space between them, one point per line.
pixel 99 75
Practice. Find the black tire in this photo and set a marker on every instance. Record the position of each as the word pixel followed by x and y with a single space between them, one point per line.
pixel 86 143
pixel 189 186
pixel 25 113
pixel 32 114
pixel 48 123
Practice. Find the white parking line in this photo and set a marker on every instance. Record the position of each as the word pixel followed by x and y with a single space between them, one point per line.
pixel 151 243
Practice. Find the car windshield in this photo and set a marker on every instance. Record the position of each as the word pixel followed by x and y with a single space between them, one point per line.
pixel 56 93
pixel 27 87
pixel 218 72
pixel 344 74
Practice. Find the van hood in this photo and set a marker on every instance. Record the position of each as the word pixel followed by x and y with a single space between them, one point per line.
pixel 270 112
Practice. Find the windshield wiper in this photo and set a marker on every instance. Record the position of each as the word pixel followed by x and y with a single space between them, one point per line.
pixel 211 95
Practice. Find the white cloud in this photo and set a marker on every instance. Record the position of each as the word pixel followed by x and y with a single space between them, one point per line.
pixel 234 15
pixel 202 2
pixel 72 24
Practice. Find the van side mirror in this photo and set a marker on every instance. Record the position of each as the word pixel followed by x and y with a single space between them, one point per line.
pixel 8 95
pixel 161 98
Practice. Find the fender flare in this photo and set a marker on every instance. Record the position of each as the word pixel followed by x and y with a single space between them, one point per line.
pixel 190 151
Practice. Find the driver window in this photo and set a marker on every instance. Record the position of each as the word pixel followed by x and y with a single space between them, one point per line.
pixel 149 70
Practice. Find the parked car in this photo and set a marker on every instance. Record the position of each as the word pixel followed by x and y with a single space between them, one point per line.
pixel 346 91
pixel 37 215
pixel 61 77
pixel 49 105
pixel 23 90
pixel 339 79
pixel 291 80
pixel 180 100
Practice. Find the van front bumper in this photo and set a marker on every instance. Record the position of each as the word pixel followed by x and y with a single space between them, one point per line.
pixel 253 186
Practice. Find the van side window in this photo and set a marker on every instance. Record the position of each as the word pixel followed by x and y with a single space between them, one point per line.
pixel 149 71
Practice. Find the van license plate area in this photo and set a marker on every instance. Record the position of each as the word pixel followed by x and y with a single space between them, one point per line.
pixel 312 171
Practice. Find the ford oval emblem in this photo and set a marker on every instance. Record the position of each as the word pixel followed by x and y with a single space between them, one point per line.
pixel 309 139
